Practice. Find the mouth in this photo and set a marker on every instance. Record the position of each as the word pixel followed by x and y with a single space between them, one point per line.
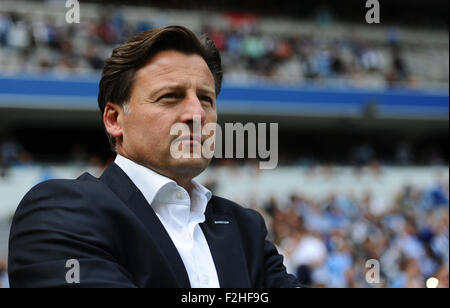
pixel 190 138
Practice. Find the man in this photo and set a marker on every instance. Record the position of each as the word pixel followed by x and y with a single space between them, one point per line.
pixel 145 222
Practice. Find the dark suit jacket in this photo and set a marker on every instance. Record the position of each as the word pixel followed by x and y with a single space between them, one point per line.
pixel 107 225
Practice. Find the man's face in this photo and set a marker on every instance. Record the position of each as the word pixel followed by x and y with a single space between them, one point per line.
pixel 171 88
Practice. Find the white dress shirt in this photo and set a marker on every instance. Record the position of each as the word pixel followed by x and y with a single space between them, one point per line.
pixel 180 215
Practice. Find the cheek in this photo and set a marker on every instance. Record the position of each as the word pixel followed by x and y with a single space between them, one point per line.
pixel 140 126
pixel 211 116
pixel 153 129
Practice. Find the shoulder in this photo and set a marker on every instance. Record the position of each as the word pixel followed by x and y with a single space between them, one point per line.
pixel 64 209
pixel 81 196
pixel 58 220
pixel 59 187
pixel 84 186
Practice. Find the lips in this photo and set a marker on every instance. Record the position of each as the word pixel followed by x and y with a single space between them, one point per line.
pixel 190 138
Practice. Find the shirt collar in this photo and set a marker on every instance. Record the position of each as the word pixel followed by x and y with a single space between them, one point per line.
pixel 155 186
pixel 147 181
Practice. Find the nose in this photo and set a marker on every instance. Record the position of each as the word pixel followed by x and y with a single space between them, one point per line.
pixel 193 108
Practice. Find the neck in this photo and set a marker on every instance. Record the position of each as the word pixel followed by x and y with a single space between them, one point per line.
pixel 186 184
pixel 184 180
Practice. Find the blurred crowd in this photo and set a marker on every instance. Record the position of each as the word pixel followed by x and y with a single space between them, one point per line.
pixel 12 153
pixel 249 55
pixel 34 43
pixel 328 241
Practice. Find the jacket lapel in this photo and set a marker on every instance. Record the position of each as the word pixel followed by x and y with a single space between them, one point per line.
pixel 222 235
pixel 124 188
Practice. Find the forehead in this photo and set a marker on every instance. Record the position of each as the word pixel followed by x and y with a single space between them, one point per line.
pixel 175 67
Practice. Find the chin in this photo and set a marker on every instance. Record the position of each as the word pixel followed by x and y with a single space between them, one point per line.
pixel 191 165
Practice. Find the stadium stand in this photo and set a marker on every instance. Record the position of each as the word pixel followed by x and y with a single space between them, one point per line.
pixel 35 38
pixel 363 114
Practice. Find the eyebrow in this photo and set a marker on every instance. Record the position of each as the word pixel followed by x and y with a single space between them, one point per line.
pixel 175 87
pixel 208 91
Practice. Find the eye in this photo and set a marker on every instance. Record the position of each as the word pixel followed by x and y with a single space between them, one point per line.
pixel 169 96
pixel 206 98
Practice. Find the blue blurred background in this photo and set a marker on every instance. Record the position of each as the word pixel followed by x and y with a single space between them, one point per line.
pixel 362 112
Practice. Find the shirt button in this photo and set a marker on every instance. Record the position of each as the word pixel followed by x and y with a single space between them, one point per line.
pixel 179 195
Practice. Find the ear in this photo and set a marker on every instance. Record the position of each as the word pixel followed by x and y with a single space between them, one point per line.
pixel 112 119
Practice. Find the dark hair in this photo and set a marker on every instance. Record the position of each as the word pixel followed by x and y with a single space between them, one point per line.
pixel 126 59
